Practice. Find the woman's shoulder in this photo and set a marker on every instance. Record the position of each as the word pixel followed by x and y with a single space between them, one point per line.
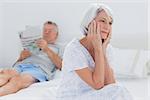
pixel 73 45
pixel 74 48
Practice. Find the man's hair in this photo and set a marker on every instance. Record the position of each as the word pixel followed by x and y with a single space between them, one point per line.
pixel 52 23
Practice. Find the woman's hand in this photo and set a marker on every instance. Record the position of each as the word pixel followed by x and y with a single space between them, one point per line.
pixel 24 54
pixel 42 44
pixel 94 34
pixel 106 42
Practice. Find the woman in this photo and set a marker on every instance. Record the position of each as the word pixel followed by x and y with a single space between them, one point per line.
pixel 86 69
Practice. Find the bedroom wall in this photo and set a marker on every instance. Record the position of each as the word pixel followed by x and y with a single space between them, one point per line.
pixel 129 28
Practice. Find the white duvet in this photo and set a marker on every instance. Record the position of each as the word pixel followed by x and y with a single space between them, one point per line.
pixel 47 91
pixel 36 91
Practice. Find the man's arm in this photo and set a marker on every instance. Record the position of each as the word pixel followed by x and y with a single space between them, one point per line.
pixel 54 57
pixel 23 55
pixel 51 54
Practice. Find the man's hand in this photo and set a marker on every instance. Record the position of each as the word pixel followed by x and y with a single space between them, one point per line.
pixel 42 44
pixel 24 54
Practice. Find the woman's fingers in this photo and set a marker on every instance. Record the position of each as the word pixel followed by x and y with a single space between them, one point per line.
pixel 89 29
pixel 109 36
pixel 94 27
pixel 94 30
pixel 98 30
pixel 106 41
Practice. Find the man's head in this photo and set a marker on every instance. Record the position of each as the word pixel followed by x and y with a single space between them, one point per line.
pixel 50 32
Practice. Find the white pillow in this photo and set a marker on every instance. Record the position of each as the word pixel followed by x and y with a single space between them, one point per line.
pixel 148 66
pixel 142 68
pixel 129 63
pixel 123 60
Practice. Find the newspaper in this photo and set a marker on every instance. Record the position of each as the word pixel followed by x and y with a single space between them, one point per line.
pixel 29 37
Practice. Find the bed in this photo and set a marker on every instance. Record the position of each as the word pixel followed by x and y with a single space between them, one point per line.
pixel 137 87
pixel 46 90
pixel 137 83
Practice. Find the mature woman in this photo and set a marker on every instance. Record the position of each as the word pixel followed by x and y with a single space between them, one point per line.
pixel 86 69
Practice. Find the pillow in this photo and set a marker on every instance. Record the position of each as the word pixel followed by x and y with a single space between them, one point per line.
pixel 142 68
pixel 129 63
pixel 148 66
pixel 122 62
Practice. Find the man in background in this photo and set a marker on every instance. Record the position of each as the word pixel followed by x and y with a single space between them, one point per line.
pixel 31 68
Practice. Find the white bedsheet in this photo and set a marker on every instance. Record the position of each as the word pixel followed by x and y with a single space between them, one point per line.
pixel 46 91
pixel 37 91
pixel 139 88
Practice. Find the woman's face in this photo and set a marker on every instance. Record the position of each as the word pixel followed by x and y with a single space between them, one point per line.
pixel 105 22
